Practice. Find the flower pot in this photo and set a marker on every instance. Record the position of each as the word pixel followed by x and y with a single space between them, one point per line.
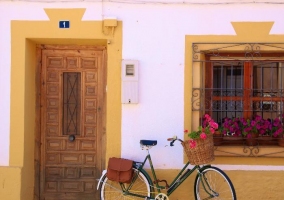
pixel 252 141
pixel 233 140
pixel 280 142
pixel 266 140
pixel 217 138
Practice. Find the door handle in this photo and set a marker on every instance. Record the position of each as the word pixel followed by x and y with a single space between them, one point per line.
pixel 71 138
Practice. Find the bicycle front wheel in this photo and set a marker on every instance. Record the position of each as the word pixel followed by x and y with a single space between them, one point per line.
pixel 213 183
pixel 139 188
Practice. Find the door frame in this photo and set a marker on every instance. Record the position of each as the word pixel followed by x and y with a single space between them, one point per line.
pixel 24 39
pixel 38 142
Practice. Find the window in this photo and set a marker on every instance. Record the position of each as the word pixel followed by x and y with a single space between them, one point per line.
pixel 237 80
pixel 71 103
pixel 244 89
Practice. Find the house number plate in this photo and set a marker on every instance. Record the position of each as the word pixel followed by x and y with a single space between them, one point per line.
pixel 64 24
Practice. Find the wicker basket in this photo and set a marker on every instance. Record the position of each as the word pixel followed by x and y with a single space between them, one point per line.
pixel 203 153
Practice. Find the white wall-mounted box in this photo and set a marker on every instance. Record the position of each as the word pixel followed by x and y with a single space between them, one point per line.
pixel 129 78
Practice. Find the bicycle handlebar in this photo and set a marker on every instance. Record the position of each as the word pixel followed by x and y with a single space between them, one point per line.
pixel 173 139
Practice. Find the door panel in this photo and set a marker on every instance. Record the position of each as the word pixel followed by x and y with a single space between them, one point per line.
pixel 72 100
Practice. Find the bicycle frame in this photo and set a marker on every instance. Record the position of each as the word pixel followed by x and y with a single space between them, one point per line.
pixel 210 182
pixel 178 180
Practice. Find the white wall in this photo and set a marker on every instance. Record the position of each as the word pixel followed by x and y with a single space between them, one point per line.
pixel 154 34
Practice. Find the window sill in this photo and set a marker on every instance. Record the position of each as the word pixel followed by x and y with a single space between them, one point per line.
pixel 249 151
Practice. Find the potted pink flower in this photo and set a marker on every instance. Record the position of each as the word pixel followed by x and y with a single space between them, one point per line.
pixel 231 127
pixel 208 127
pixel 276 129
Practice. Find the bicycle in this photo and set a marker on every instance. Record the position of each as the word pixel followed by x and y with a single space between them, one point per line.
pixel 210 182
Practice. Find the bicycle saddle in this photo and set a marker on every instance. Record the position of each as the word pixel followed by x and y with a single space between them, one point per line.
pixel 148 142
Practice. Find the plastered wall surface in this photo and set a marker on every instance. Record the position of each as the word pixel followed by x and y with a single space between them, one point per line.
pixel 160 51
pixel 155 35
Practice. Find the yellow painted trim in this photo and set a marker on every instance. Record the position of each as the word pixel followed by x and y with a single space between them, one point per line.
pixel 110 22
pixel 246 32
pixel 25 35
pixel 10 178
pixel 247 184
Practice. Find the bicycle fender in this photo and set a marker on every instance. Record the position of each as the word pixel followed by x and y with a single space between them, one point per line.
pixel 103 173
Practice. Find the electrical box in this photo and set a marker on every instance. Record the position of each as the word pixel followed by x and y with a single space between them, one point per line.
pixel 129 78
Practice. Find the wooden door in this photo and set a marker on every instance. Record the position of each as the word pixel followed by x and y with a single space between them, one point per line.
pixel 72 122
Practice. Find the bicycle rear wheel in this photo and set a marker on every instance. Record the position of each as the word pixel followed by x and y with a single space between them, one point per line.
pixel 213 183
pixel 140 189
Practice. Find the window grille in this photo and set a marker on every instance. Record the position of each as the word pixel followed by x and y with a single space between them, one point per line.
pixel 237 80
pixel 71 103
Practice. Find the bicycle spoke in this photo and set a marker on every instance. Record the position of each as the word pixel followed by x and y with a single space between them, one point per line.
pixel 212 183
pixel 139 188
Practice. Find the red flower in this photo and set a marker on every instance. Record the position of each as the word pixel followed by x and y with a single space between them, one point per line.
pixel 192 144
pixel 203 136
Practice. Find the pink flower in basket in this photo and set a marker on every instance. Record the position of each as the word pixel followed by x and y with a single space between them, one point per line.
pixel 208 127
pixel 203 136
pixel 192 144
